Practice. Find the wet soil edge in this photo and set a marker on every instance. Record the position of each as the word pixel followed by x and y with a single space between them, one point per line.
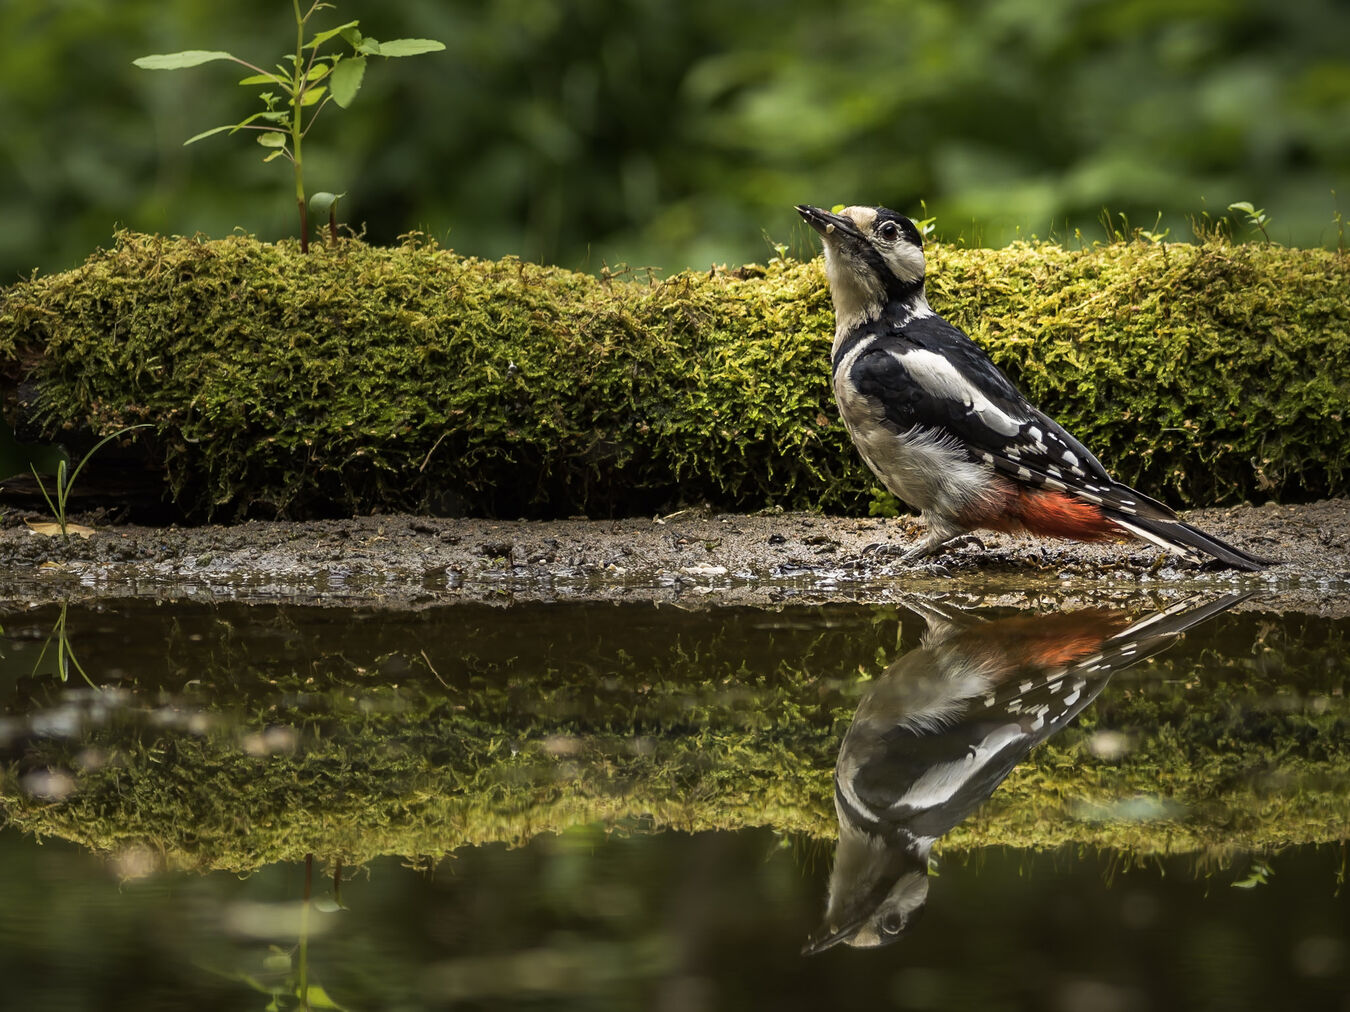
pixel 693 558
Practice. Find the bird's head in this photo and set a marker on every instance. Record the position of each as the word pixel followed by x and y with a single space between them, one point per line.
pixel 873 256
pixel 872 912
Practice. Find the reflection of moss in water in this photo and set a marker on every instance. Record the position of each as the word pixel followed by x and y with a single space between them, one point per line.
pixel 420 777
pixel 1247 752
pixel 357 378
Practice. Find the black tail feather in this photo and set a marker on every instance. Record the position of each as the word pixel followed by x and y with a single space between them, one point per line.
pixel 1179 618
pixel 1181 537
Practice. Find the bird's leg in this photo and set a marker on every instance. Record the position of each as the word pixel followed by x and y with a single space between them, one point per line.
pixel 929 546
pixel 941 534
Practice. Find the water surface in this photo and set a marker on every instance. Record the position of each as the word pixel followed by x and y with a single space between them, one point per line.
pixel 600 806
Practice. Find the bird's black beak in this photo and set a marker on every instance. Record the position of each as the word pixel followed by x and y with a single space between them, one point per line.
pixel 828 937
pixel 825 223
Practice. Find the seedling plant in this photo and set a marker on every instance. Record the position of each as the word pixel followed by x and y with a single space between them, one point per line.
pixel 293 95
pixel 1256 216
pixel 65 655
pixel 65 480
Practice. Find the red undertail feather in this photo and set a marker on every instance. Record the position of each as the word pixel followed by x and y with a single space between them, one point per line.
pixel 1052 641
pixel 1049 513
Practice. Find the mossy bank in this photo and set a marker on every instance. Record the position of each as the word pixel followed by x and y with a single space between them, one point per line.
pixel 357 379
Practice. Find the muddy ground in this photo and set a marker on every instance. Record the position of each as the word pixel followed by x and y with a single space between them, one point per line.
pixel 693 558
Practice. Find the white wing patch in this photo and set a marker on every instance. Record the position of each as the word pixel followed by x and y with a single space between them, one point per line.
pixel 939 376
pixel 924 467
pixel 939 783
pixel 1049 448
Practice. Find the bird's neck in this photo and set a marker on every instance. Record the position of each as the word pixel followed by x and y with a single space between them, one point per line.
pixel 911 305
pixel 852 314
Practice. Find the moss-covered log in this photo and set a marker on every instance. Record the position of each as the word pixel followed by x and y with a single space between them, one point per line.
pixel 357 379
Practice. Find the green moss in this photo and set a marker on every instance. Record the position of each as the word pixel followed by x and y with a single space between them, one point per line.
pixel 357 378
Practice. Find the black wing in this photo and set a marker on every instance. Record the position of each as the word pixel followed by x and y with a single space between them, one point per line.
pixel 926 373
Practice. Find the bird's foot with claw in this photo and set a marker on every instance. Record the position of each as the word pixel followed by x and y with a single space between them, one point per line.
pixel 965 541
pixel 918 557
pixel 923 553
pixel 885 548
pixel 921 556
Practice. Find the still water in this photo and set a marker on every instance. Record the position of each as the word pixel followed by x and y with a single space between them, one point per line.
pixel 917 806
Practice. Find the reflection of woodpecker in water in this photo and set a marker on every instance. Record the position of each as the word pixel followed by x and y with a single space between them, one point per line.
pixel 945 724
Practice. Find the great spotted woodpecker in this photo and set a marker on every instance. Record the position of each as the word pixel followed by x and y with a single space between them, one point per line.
pixel 944 725
pixel 945 430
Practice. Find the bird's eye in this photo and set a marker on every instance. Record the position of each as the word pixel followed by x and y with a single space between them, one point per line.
pixel 890 231
pixel 891 924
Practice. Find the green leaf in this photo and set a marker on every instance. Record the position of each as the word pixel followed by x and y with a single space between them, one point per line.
pixel 270 115
pixel 277 962
pixel 410 47
pixel 178 61
pixel 272 139
pixel 208 133
pixel 323 37
pixel 277 153
pixel 322 202
pixel 1258 875
pixel 312 95
pixel 317 72
pixel 1244 205
pixel 345 81
pixel 369 47
pixel 262 79
pixel 317 997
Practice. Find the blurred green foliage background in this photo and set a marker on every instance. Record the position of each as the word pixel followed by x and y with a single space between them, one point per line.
pixel 678 134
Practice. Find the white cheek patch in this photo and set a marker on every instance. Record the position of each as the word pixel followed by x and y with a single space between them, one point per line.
pixel 937 375
pixel 905 262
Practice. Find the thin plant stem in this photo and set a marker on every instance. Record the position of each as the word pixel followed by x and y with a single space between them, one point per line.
pixel 326 100
pixel 304 933
pixel 65 654
pixel 298 134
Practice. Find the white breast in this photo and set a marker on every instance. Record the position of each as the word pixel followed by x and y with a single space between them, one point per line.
pixel 929 470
